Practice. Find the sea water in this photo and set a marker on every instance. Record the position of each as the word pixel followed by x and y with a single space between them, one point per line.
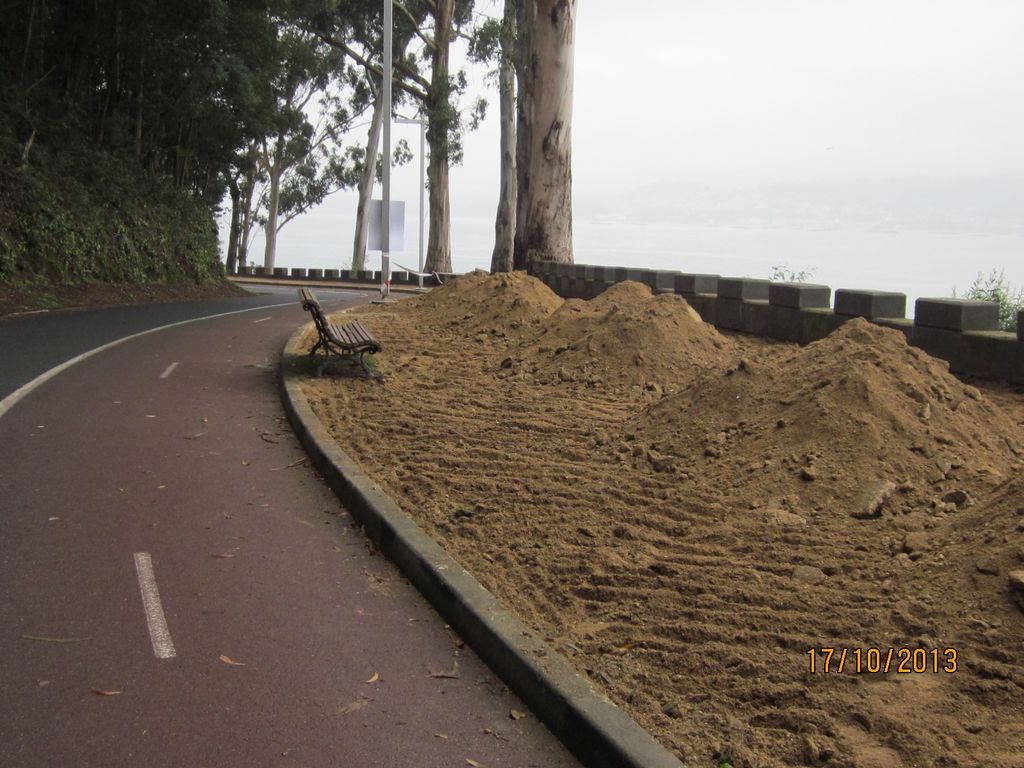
pixel 919 264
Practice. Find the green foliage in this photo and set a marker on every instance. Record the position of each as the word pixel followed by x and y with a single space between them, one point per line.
pixel 783 273
pixel 486 43
pixel 179 86
pixel 994 287
pixel 122 225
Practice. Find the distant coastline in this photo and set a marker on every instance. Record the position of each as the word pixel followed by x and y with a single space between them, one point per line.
pixel 916 236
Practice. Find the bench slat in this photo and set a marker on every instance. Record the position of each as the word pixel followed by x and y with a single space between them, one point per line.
pixel 352 335
pixel 359 332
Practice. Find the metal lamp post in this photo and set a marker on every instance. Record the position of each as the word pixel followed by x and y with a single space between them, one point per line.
pixel 385 214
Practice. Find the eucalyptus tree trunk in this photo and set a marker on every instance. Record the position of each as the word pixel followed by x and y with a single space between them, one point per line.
pixel 273 206
pixel 547 230
pixel 439 248
pixel 236 202
pixel 246 224
pixel 366 185
pixel 505 220
pixel 524 68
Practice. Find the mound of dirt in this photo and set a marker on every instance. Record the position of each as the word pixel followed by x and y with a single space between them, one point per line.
pixel 505 303
pixel 685 554
pixel 626 336
pixel 857 407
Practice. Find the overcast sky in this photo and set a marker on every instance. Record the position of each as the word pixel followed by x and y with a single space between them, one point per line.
pixel 740 93
pixel 744 92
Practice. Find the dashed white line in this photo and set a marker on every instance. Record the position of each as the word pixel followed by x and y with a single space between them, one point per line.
pixel 169 371
pixel 262 320
pixel 159 634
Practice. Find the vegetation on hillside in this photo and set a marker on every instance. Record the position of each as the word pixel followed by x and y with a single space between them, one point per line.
pixel 87 217
pixel 118 126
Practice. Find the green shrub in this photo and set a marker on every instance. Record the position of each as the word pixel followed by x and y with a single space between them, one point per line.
pixel 994 287
pixel 783 273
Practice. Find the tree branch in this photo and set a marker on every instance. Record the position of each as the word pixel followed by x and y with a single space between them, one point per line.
pixel 416 93
pixel 415 27
pixel 302 208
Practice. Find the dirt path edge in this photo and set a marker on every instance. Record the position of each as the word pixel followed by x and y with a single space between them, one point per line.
pixel 597 732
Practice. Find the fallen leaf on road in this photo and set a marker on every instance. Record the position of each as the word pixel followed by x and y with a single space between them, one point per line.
pixel 374 678
pixel 229 660
pixel 47 639
pixel 515 714
pixel 267 438
pixel 150 416
pixel 289 466
pixel 355 706
pixel 98 692
pixel 245 463
pixel 474 763
pixel 450 674
pixel 225 555
pixel 443 736
pixel 196 436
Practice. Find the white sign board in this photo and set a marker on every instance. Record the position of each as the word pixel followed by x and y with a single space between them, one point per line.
pixel 375 237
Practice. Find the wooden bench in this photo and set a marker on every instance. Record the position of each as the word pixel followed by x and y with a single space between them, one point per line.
pixel 342 340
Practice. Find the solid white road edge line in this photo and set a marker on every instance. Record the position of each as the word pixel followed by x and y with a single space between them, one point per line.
pixel 12 399
pixel 159 634
pixel 169 371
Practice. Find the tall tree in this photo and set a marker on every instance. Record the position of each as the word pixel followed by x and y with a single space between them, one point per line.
pixel 366 178
pixel 435 23
pixel 496 40
pixel 544 144
pixel 303 158
pixel 368 162
pixel 443 119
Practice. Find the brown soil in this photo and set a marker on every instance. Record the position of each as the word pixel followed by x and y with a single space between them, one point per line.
pixel 684 515
pixel 31 298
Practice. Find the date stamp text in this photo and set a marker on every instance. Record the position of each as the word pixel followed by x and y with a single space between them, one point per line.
pixel 900 661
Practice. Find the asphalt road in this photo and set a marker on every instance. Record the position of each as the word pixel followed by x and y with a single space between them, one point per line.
pixel 178 588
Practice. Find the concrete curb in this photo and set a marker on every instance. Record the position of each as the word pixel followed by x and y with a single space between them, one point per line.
pixel 597 732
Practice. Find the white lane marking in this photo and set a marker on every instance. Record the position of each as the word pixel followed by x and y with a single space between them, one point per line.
pixel 159 634
pixel 12 399
pixel 169 371
pixel 261 320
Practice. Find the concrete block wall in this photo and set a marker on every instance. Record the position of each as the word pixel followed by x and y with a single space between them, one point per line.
pixel 368 276
pixel 960 331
